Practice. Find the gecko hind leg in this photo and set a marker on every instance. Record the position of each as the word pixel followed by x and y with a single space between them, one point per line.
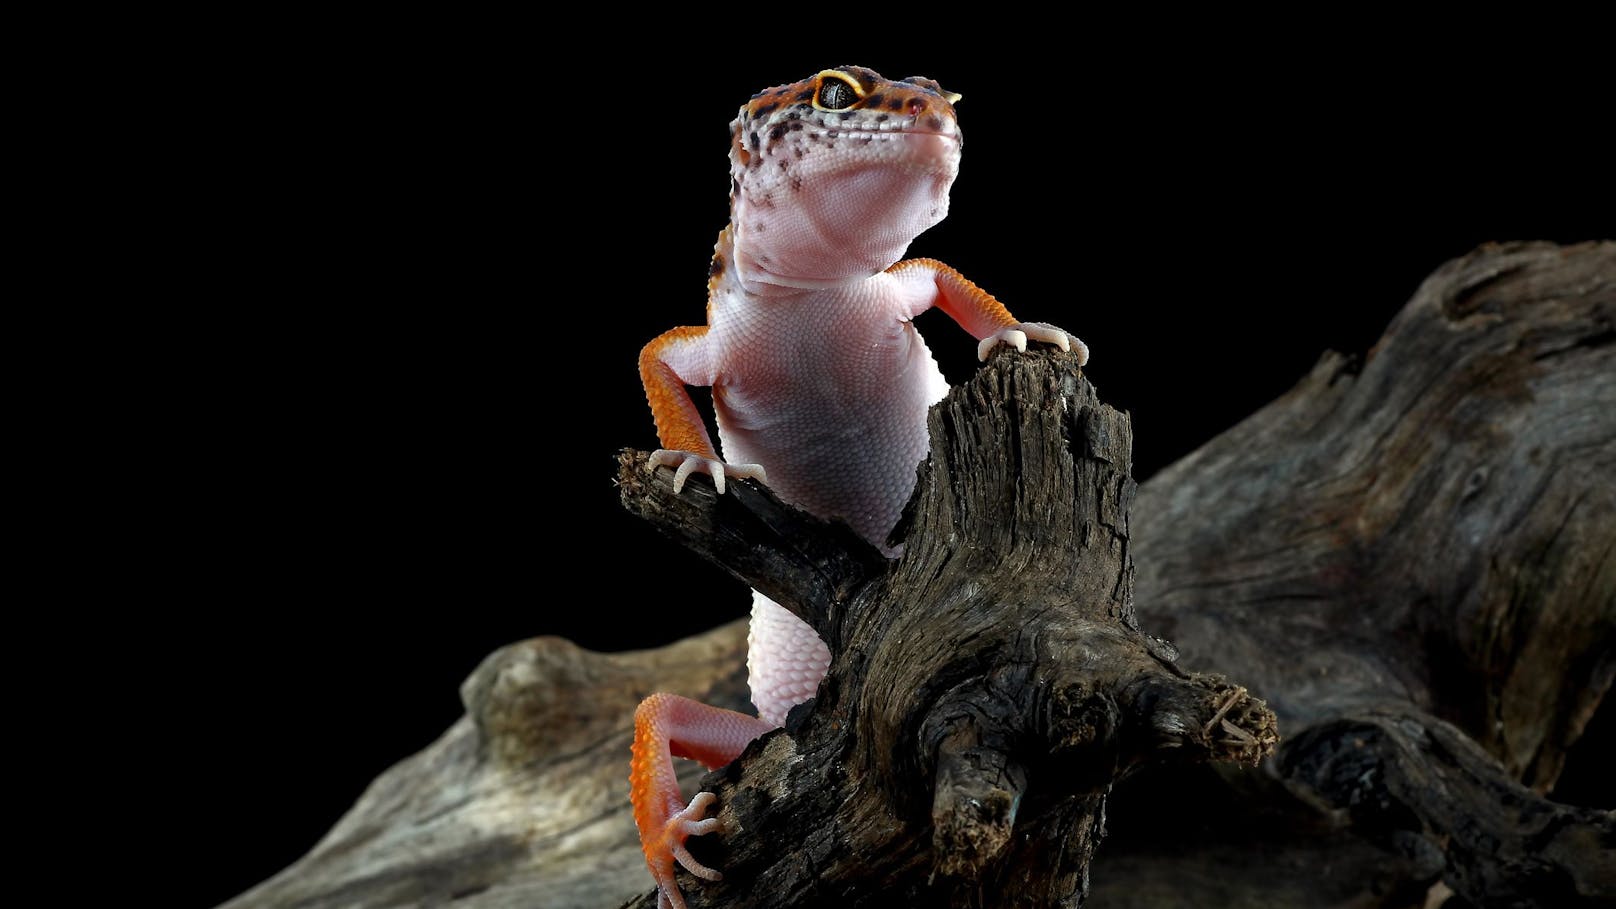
pixel 668 726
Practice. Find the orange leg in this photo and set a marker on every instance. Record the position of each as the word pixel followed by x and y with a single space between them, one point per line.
pixel 666 364
pixel 668 726
pixel 678 422
pixel 979 312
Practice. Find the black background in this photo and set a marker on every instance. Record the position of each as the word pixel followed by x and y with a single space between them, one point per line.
pixel 395 451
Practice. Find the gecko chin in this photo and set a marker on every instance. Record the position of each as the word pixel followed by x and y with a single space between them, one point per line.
pixel 843 222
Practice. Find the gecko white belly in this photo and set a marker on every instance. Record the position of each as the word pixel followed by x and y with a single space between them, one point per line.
pixel 829 392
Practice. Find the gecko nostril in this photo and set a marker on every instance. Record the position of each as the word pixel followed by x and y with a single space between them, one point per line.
pixel 916 106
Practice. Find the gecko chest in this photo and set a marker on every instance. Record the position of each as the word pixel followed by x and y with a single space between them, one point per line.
pixel 832 401
pixel 840 364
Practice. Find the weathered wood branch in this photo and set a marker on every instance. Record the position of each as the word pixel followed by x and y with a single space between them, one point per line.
pixel 1413 560
pixel 1414 783
pixel 990 680
pixel 1419 551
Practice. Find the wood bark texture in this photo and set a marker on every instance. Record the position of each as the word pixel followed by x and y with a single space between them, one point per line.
pixel 1411 559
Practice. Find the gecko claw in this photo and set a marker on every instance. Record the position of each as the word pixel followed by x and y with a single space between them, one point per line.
pixel 686 463
pixel 1010 336
pixel 694 867
pixel 714 468
pixel 679 826
pixel 689 822
pixel 1019 334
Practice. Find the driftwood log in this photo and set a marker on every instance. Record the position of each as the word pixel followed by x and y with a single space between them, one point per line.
pixel 986 688
pixel 1412 560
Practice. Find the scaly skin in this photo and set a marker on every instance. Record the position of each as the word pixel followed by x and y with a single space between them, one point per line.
pixel 820 381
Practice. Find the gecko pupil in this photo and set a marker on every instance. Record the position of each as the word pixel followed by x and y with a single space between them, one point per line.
pixel 835 94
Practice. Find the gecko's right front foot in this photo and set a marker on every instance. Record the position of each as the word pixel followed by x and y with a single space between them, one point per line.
pixel 1019 334
pixel 688 462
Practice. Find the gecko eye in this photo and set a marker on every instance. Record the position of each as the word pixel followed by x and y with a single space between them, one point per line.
pixel 835 94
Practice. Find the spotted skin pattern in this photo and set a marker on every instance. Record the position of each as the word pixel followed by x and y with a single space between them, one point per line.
pixel 820 382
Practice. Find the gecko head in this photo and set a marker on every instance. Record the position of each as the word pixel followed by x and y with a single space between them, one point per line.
pixel 832 177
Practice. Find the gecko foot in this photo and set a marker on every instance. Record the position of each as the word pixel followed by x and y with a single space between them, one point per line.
pixel 680 826
pixel 688 462
pixel 1019 334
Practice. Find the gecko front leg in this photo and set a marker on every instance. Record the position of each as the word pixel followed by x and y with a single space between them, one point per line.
pixel 927 282
pixel 1018 334
pixel 674 360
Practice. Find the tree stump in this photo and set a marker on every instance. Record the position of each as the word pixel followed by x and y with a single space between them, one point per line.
pixel 992 680
pixel 1412 559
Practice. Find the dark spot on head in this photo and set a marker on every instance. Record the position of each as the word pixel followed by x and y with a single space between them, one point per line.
pixel 796 127
pixel 784 164
pixel 866 140
pixel 934 122
pixel 715 267
pixel 796 184
pixel 882 119
pixel 754 139
pixel 805 94
pixel 794 115
pixel 925 84
pixel 895 104
pixel 874 100
pixel 778 131
pixel 769 108
pixel 845 114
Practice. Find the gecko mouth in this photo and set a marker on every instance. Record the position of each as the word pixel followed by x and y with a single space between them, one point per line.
pixel 816 147
pixel 859 127
pixel 893 138
pixel 880 125
pixel 834 132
